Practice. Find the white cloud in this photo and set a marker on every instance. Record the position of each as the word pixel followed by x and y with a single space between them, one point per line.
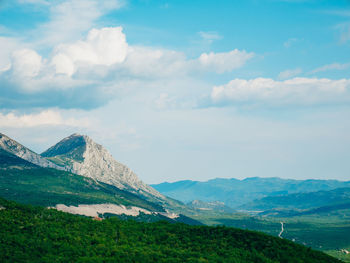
pixel 289 73
pixel 225 61
pixel 96 68
pixel 105 46
pixel 334 66
pixel 145 61
pixel 44 118
pixel 150 62
pixel 296 91
pixel 26 63
pixel 70 19
pixel 34 2
pixel 7 46
pixel 108 47
pixel 63 64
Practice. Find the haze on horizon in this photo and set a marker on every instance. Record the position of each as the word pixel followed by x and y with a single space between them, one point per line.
pixel 183 89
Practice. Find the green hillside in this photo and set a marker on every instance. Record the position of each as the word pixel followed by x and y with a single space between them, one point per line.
pixel 325 229
pixel 35 234
pixel 27 183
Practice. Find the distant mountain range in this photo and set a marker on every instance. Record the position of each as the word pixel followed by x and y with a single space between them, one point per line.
pixel 308 200
pixel 75 172
pixel 257 193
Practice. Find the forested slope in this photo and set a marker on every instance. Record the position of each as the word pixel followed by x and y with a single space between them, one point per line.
pixel 35 234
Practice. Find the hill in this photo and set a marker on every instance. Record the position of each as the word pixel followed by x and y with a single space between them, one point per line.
pixel 34 234
pixel 235 193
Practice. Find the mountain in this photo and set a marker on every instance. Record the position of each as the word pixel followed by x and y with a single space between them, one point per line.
pixel 79 154
pixel 35 234
pixel 28 183
pixel 235 193
pixel 11 146
pixel 9 160
pixel 308 201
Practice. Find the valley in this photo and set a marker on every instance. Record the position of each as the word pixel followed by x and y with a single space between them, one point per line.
pixel 313 213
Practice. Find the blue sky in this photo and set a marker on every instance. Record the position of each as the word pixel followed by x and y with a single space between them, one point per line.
pixel 183 89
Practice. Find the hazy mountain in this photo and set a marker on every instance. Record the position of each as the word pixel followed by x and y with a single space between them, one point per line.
pixel 310 200
pixel 11 146
pixel 234 192
pixel 81 155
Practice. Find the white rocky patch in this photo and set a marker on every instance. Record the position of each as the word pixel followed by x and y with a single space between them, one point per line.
pixel 169 215
pixel 96 209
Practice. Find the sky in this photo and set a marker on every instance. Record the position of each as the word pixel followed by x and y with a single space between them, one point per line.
pixel 182 90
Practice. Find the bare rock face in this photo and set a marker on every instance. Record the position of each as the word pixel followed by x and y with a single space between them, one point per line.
pixel 19 150
pixel 81 155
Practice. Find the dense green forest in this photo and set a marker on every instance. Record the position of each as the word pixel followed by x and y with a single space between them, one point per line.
pixel 36 234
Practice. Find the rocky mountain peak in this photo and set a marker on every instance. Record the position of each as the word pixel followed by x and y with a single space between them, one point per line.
pixel 67 145
pixel 81 155
pixel 11 146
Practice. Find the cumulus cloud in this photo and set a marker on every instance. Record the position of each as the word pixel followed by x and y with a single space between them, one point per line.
pixel 70 19
pixel 296 91
pixel 289 73
pixel 90 72
pixel 106 46
pixel 7 47
pixel 44 118
pixel 225 61
pixel 26 63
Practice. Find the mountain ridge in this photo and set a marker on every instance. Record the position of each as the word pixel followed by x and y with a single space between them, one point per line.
pixel 235 193
pixel 17 149
pixel 81 155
